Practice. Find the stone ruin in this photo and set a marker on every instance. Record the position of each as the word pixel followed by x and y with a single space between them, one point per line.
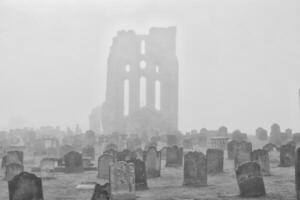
pixel 142 83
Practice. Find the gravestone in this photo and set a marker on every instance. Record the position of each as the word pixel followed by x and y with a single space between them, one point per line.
pixel 195 169
pixel 73 162
pixel 230 149
pixel 88 152
pixel 297 172
pixel 215 161
pixel 101 192
pixel 140 174
pixel 122 181
pixel 104 162
pixel 287 155
pixel 13 157
pixel 13 169
pixel 262 158
pixel 25 186
pixel 48 166
pixel 174 156
pixel 152 159
pixel 139 154
pixel 250 180
pixel 242 153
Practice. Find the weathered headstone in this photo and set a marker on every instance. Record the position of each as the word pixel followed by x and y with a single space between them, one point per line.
pixel 48 166
pixel 287 155
pixel 101 192
pixel 140 174
pixel 13 169
pixel 13 157
pixel 152 159
pixel 25 186
pixel 174 156
pixel 122 181
pixel 73 162
pixel 262 158
pixel 215 161
pixel 250 180
pixel 104 162
pixel 195 169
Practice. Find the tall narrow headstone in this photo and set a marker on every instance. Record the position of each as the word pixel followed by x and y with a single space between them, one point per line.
pixel 104 162
pixel 122 181
pixel 153 162
pixel 140 174
pixel 287 155
pixel 262 158
pixel 297 172
pixel 215 161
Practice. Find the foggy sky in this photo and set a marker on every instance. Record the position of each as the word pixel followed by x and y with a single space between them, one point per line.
pixel 238 59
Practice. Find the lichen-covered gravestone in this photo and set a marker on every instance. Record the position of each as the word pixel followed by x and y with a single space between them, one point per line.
pixel 13 169
pixel 73 162
pixel 250 180
pixel 174 156
pixel 104 162
pixel 122 181
pixel 25 186
pixel 195 169
pixel 297 172
pixel 153 162
pixel 287 155
pixel 262 158
pixel 101 192
pixel 140 174
pixel 215 161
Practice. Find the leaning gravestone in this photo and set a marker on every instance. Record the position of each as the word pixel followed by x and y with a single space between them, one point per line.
pixel 195 169
pixel 250 180
pixel 101 192
pixel 174 156
pixel 73 162
pixel 140 174
pixel 215 161
pixel 152 159
pixel 262 158
pixel 297 172
pixel 287 155
pixel 25 186
pixel 122 181
pixel 12 170
pixel 104 162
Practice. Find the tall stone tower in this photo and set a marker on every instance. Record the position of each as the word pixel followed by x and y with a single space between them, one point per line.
pixel 142 83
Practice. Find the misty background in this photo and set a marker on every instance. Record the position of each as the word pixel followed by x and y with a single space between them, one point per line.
pixel 238 59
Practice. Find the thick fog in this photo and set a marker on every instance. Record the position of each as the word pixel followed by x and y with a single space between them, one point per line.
pixel 239 61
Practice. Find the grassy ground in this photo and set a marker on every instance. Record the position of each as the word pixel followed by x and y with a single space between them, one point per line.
pixel 279 186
